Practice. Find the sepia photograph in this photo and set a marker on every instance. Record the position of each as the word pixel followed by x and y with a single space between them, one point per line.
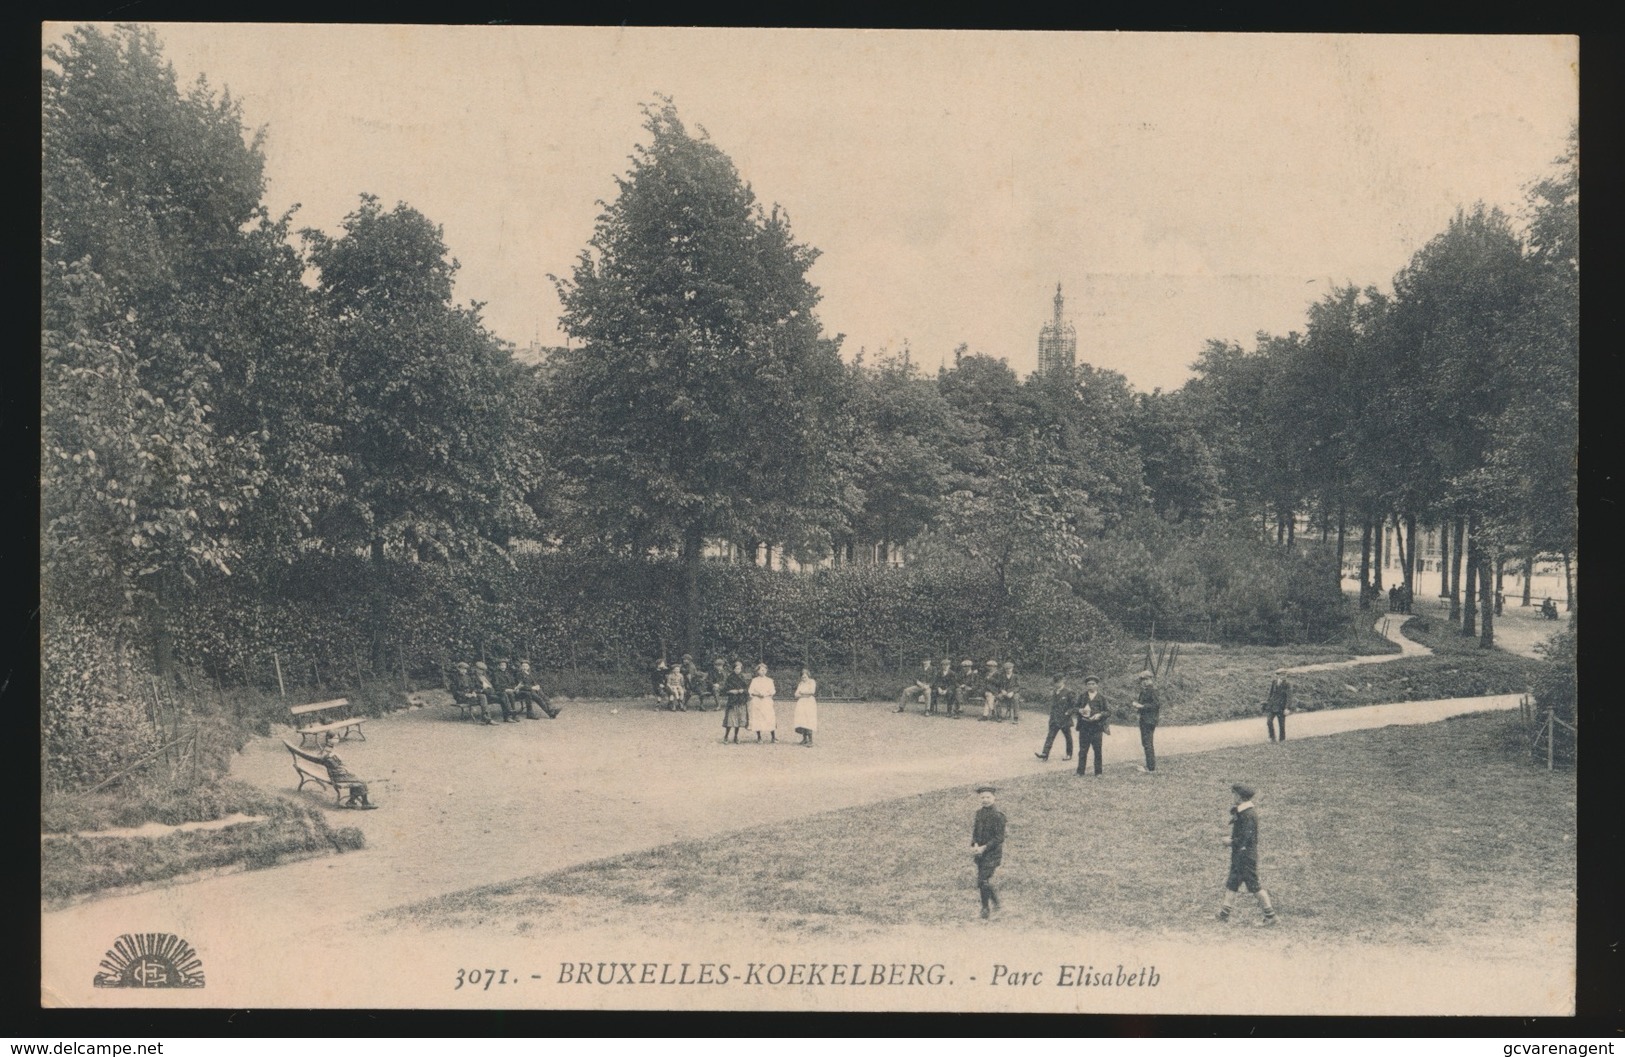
pixel 575 518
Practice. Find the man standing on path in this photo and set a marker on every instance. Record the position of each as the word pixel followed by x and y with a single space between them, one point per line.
pixel 1060 717
pixel 1148 709
pixel 1093 716
pixel 1277 703
pixel 987 846
pixel 1243 841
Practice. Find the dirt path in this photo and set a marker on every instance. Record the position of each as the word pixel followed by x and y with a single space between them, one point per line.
pixel 464 805
pixel 1388 626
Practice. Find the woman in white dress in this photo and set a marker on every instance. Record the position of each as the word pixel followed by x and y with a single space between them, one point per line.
pixel 762 716
pixel 806 707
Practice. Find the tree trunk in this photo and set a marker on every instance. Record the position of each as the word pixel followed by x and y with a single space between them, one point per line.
pixel 1486 600
pixel 1568 578
pixel 1469 604
pixel 1455 568
pixel 1528 577
pixel 375 614
pixel 693 552
pixel 1444 558
pixel 1404 551
pixel 1342 540
pixel 1291 528
pixel 1380 543
pixel 1365 564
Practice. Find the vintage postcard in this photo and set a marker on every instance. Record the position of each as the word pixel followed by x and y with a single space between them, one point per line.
pixel 814 520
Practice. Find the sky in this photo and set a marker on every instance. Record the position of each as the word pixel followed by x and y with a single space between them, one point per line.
pixel 1179 187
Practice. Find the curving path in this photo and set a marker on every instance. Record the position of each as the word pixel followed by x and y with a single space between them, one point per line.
pixel 1388 626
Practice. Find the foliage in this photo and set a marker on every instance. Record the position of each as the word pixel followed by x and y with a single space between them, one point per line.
pixel 1555 686
pixel 93 721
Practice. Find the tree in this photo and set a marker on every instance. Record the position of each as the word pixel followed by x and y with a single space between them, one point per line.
pixel 700 398
pixel 430 417
pixel 169 301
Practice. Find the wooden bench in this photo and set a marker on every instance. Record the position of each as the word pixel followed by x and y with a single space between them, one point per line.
pixel 440 699
pixel 314 720
pixel 310 768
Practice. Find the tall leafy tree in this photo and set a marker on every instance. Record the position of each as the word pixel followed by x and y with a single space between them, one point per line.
pixel 431 411
pixel 699 399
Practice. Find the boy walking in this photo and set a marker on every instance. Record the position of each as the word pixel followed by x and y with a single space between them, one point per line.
pixel 1243 842
pixel 1277 703
pixel 1061 706
pixel 987 846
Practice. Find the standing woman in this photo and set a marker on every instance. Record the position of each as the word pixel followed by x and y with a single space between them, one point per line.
pixel 762 716
pixel 736 688
pixel 806 707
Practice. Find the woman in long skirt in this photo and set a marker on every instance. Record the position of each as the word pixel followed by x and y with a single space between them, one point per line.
pixel 762 715
pixel 737 690
pixel 806 707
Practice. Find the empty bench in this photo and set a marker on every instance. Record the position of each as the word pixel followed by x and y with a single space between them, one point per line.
pixel 311 768
pixel 314 720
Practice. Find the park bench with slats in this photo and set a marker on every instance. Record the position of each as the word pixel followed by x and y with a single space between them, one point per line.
pixel 314 720
pixel 310 768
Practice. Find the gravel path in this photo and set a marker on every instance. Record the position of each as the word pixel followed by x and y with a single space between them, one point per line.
pixel 464 805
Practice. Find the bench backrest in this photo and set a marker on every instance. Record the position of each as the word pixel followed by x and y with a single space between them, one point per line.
pixel 319 706
pixel 301 756
pixel 431 697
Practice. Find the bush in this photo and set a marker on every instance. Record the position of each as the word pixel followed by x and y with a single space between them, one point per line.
pixel 93 721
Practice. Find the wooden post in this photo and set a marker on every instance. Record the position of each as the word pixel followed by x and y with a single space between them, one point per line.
pixel 1550 737
pixel 400 657
pixel 281 688
pixel 317 672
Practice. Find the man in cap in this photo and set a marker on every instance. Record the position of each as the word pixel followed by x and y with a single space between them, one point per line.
pixel 989 687
pixel 967 687
pixel 942 688
pixel 1060 717
pixel 987 846
pixel 1277 702
pixel 1149 710
pixel 482 682
pixel 1094 719
pixel 1008 695
pixel 529 691
pixel 921 690
pixel 465 691
pixel 1243 842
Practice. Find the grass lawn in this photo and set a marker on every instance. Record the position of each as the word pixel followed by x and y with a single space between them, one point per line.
pixel 1422 835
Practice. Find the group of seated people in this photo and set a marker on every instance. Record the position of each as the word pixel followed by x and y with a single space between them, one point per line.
pixel 516 692
pixel 676 685
pixel 943 691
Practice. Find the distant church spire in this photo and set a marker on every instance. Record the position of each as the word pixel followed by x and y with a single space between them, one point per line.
pixel 1057 341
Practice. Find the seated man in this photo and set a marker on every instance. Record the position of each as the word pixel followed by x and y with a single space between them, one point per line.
pixel 967 688
pixel 485 685
pixel 714 683
pixel 465 691
pixel 662 699
pixel 920 690
pixel 1007 696
pixel 340 775
pixel 528 691
pixel 1548 609
pixel 988 683
pixel 942 688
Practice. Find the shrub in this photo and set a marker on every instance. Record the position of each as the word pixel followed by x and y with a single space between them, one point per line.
pixel 93 722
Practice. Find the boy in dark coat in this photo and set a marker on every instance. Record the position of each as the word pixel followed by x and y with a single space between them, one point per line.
pixel 1243 842
pixel 987 846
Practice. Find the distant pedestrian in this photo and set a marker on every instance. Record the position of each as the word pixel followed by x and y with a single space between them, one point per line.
pixel 1094 720
pixel 763 717
pixel 1277 703
pixel 1149 710
pixel 1243 842
pixel 1060 717
pixel 806 717
pixel 987 847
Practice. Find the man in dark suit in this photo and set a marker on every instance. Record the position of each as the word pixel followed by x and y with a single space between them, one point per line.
pixel 1149 709
pixel 1277 703
pixel 987 846
pixel 1060 717
pixel 942 690
pixel 1093 716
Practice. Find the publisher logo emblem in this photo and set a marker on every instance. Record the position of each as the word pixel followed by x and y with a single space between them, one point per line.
pixel 150 959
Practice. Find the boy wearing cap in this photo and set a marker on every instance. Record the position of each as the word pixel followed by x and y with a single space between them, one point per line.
pixel 1093 715
pixel 1061 703
pixel 987 846
pixel 1277 703
pixel 1147 708
pixel 1243 842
